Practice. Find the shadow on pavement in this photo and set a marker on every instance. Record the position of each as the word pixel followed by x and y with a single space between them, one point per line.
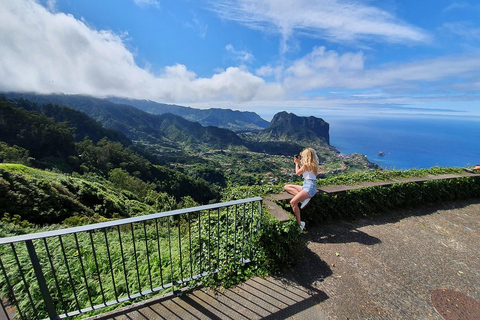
pixel 340 233
pixel 347 232
pixel 369 278
pixel 308 271
pixel 258 298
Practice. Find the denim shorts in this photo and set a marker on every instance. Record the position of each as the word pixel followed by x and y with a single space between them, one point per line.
pixel 310 186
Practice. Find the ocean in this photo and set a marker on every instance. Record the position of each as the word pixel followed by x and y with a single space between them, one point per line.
pixel 409 142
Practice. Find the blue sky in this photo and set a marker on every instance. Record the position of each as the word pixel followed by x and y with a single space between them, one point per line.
pixel 310 57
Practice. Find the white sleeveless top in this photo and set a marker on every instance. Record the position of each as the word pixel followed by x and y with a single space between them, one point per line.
pixel 309 175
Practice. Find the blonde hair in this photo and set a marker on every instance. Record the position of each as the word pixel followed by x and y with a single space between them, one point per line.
pixel 309 160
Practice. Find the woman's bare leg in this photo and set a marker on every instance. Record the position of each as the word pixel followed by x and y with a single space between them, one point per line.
pixel 293 189
pixel 299 197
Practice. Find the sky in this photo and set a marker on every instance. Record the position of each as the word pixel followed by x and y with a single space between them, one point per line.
pixel 309 57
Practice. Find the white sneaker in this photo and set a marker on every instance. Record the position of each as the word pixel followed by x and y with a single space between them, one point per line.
pixel 304 203
pixel 302 225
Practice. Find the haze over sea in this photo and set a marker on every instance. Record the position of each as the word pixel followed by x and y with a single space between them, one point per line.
pixel 409 142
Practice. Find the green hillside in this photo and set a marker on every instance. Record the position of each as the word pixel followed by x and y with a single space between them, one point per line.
pixel 237 121
pixel 69 164
pixel 166 130
pixel 32 138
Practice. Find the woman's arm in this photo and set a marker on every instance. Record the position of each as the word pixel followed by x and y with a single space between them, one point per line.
pixel 298 169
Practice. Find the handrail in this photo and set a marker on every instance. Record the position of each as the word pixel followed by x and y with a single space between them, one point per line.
pixel 66 272
pixel 100 225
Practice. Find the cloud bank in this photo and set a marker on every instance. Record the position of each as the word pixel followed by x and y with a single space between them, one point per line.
pixel 52 52
pixel 47 52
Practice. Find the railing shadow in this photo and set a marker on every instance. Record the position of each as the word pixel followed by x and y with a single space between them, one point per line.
pixel 295 292
pixel 309 271
pixel 258 298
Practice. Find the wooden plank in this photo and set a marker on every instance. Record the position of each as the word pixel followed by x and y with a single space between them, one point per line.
pixel 335 188
pixel 412 179
pixel 451 176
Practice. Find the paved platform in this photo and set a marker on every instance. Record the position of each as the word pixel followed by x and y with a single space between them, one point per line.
pixel 382 268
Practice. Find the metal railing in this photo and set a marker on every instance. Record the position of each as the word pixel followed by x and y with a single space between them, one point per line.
pixel 66 272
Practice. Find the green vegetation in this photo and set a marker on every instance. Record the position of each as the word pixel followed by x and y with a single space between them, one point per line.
pixel 237 121
pixel 139 256
pixel 14 154
pixel 369 201
pixel 44 197
pixel 383 175
pixel 60 168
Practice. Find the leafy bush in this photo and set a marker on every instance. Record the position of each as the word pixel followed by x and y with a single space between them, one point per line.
pixel 369 201
pixel 383 175
pixel 280 243
pixel 14 154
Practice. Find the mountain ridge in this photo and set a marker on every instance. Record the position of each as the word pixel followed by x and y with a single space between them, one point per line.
pixel 165 129
pixel 286 133
pixel 234 120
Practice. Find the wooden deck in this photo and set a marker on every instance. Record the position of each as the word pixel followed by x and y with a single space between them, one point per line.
pixel 281 215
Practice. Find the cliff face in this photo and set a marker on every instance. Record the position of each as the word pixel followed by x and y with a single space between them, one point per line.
pixel 288 126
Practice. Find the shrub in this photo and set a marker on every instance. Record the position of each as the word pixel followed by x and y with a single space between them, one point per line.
pixel 370 201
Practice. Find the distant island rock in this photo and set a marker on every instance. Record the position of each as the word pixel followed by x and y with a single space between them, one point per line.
pixel 290 127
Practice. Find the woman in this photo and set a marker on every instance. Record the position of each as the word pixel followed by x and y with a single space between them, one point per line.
pixel 307 165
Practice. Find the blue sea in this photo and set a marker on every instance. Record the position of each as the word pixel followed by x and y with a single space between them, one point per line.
pixel 409 142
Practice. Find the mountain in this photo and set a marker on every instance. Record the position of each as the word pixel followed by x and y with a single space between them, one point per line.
pixel 289 127
pixel 38 134
pixel 237 121
pixel 286 134
pixel 81 123
pixel 166 129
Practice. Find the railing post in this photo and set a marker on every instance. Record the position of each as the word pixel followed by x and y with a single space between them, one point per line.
pixel 260 212
pixel 52 313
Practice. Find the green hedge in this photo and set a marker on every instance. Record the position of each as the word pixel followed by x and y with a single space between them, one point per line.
pixel 371 201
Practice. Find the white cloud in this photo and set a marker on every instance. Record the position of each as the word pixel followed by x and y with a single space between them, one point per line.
pixel 269 71
pixel 443 71
pixel 50 52
pixel 458 5
pixel 323 69
pixel 333 20
pixel 52 5
pixel 240 55
pixel 198 26
pixel 145 3
pixel 466 30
